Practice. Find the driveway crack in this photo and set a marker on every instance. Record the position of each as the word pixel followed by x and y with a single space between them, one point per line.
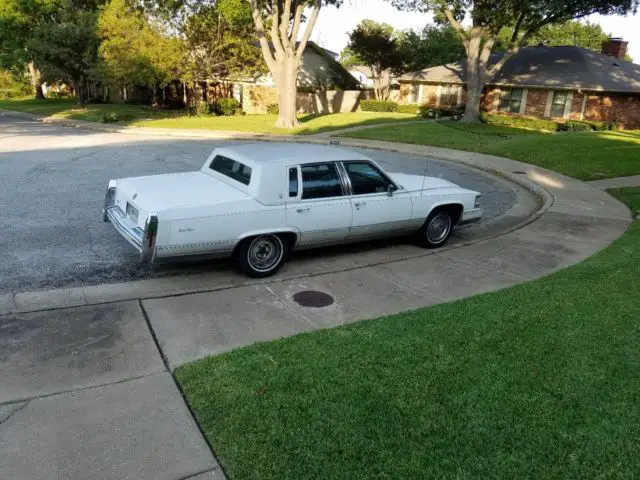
pixel 17 410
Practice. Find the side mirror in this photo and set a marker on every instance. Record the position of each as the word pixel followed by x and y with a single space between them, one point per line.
pixel 390 190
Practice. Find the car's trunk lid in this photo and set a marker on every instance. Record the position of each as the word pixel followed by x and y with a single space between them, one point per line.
pixel 162 192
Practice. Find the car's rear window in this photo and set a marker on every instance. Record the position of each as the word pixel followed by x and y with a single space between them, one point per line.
pixel 231 168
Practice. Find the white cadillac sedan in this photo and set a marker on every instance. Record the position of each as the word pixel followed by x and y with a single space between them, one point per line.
pixel 258 202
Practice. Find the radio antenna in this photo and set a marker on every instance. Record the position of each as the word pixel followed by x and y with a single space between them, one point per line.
pixel 424 176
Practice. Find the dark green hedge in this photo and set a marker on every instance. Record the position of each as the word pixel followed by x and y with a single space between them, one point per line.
pixel 378 106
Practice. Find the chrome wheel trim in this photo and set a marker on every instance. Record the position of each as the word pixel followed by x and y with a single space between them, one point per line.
pixel 265 252
pixel 438 228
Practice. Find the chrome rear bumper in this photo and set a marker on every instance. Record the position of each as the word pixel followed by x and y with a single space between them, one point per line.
pixel 118 219
pixel 144 240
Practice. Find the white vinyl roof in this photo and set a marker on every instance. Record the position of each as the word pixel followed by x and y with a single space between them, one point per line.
pixel 269 182
pixel 288 153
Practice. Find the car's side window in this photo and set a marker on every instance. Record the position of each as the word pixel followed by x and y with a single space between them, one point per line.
pixel 320 180
pixel 366 178
pixel 293 182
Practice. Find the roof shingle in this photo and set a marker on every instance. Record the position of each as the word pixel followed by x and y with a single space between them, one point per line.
pixel 557 67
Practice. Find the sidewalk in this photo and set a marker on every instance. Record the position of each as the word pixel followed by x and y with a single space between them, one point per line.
pixel 87 392
pixel 620 182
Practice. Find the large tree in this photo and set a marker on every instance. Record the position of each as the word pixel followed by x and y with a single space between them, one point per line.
pixel 65 44
pixel 376 46
pixel 221 40
pixel 134 51
pixel 279 24
pixel 433 45
pixel 18 21
pixel 489 17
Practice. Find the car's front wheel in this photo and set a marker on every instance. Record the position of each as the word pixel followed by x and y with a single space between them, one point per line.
pixel 436 229
pixel 263 255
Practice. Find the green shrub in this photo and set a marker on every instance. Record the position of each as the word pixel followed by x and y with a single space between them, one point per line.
pixel 226 106
pixel 412 109
pixel 520 122
pixel 198 109
pixel 115 117
pixel 13 85
pixel 598 126
pixel 437 112
pixel 58 95
pixel 378 106
pixel 273 109
pixel 601 126
pixel 575 126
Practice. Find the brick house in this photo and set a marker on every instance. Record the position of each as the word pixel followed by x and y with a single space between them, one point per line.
pixel 551 82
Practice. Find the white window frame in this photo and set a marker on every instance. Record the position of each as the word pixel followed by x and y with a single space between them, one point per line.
pixel 501 95
pixel 449 85
pixel 567 106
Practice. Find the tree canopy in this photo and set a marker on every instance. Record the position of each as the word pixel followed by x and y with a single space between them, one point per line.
pixel 433 45
pixel 134 51
pixel 376 45
pixel 572 32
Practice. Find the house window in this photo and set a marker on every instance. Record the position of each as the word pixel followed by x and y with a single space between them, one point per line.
pixel 511 101
pixel 449 95
pixel 559 103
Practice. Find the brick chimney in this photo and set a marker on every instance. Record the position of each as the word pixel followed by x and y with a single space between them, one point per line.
pixel 615 47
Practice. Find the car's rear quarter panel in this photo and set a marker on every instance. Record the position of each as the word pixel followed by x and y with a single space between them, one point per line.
pixel 215 228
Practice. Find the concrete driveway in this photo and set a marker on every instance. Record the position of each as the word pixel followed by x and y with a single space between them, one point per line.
pixel 52 182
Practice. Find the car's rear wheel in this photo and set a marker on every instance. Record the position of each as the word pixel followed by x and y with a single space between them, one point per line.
pixel 436 229
pixel 263 255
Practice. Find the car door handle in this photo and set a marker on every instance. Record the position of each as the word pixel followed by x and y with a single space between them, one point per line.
pixel 302 210
pixel 360 204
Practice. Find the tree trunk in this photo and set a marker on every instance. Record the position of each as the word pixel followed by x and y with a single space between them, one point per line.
pixel 475 82
pixel 36 81
pixel 381 84
pixel 79 88
pixel 286 79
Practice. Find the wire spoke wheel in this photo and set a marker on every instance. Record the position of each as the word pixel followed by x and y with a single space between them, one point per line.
pixel 265 253
pixel 438 228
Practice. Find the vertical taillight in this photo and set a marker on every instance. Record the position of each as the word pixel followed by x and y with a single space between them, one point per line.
pixel 109 199
pixel 149 239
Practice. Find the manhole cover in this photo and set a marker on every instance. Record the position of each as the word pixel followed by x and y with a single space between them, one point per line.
pixel 313 298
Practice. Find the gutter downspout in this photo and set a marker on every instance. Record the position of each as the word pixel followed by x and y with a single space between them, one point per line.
pixel 584 104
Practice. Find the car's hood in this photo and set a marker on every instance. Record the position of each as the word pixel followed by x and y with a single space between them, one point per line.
pixel 161 192
pixel 418 182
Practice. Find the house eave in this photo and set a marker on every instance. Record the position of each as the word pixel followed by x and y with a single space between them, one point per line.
pixel 584 88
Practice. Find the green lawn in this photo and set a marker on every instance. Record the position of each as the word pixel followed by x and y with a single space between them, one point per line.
pixel 628 195
pixel 587 156
pixel 538 381
pixel 148 117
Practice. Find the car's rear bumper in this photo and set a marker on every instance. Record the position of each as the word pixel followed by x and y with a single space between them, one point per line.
pixel 144 241
pixel 471 216
pixel 119 220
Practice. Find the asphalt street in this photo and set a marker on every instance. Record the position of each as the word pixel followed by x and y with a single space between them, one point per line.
pixel 52 184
